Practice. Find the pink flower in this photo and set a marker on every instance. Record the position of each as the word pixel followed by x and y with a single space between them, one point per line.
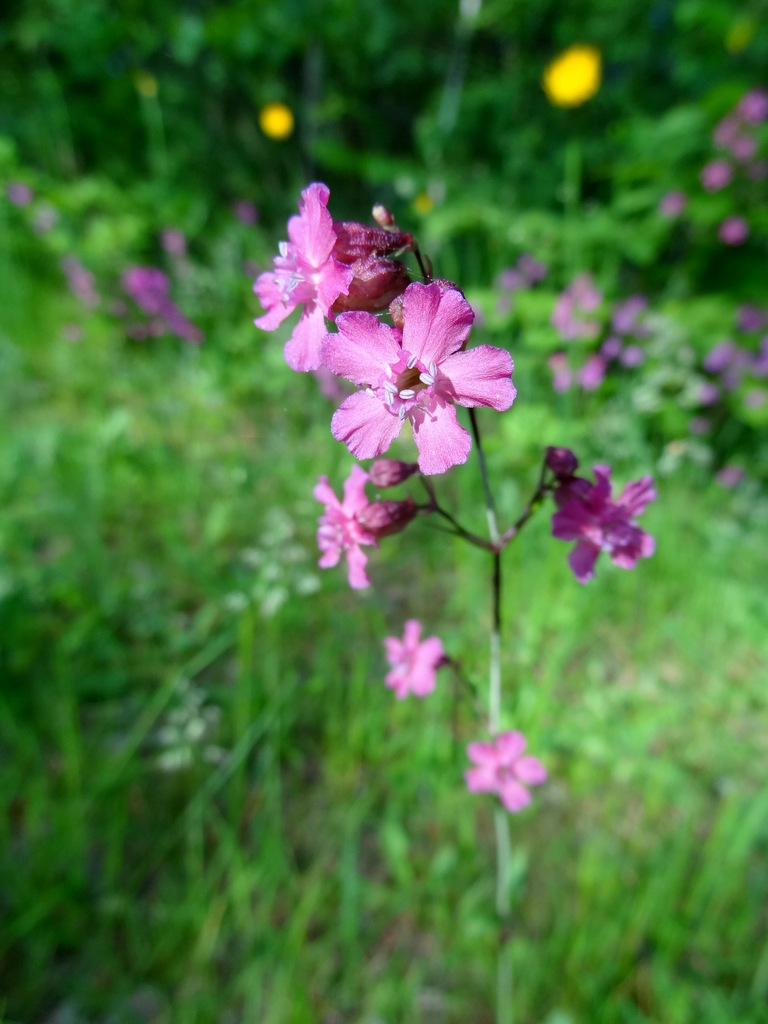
pixel 339 529
pixel 415 374
pixel 672 204
pixel 305 274
pixel 414 663
pixel 562 377
pixel 733 231
pixel 716 175
pixel 581 296
pixel 501 767
pixel 592 374
pixel 753 106
pixel 173 241
pixel 587 515
pixel 19 194
pixel 245 211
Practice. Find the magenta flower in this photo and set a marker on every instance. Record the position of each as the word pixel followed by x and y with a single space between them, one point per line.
pixel 733 231
pixel 339 529
pixel 672 204
pixel 501 767
pixel 19 194
pixel 587 515
pixel 716 175
pixel 581 296
pixel 415 374
pixel 173 241
pixel 414 663
pixel 305 274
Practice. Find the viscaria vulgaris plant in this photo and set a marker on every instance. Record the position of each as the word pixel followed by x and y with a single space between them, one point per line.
pixel 405 344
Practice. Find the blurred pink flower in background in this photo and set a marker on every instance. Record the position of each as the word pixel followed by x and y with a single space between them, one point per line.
pixel 730 476
pixel 672 204
pixel 81 281
pixel 173 241
pixel 150 289
pixel 246 212
pixel 562 378
pixel 744 148
pixel 18 193
pixel 581 296
pixel 733 231
pixel 592 373
pixel 501 767
pixel 753 106
pixel 414 662
pixel 716 175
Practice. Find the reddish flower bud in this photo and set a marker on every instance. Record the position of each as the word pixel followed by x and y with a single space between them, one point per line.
pixel 356 241
pixel 375 284
pixel 562 462
pixel 390 472
pixel 383 518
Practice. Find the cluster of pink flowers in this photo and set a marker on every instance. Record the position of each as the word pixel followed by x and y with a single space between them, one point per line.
pixel 587 514
pixel 416 370
pixel 622 333
pixel 527 272
pixel 150 289
pixel 729 365
pixel 735 135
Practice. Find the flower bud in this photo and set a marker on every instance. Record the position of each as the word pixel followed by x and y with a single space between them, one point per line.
pixel 562 462
pixel 356 241
pixel 383 217
pixel 375 284
pixel 390 472
pixel 383 518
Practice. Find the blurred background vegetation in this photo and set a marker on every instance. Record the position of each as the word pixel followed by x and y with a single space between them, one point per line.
pixel 211 808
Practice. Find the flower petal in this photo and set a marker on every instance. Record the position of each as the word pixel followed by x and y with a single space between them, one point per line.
pixel 480 780
pixel 435 322
pixel 364 425
pixel 481 376
pixel 302 350
pixel 510 746
pixel 582 560
pixel 514 795
pixel 362 349
pixel 530 771
pixel 441 440
pixel 357 577
pixel 355 499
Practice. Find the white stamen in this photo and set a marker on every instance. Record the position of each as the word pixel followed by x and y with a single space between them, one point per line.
pixel 282 248
pixel 401 412
pixel 411 362
pixel 426 378
pixel 407 393
pixel 433 369
pixel 389 399
pixel 390 387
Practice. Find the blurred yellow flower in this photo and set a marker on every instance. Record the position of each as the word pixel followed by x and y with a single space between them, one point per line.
pixel 573 77
pixel 276 120
pixel 423 203
pixel 146 84
pixel 740 35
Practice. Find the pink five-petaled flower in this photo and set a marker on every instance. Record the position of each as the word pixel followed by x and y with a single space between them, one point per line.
pixel 501 767
pixel 339 529
pixel 305 274
pixel 416 374
pixel 414 662
pixel 587 515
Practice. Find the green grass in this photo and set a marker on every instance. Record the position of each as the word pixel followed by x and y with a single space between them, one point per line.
pixel 213 809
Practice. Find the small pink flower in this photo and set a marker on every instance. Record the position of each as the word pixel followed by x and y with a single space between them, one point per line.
pixel 173 241
pixel 339 529
pixel 744 148
pixel 416 374
pixel 753 106
pixel 414 663
pixel 716 175
pixel 501 767
pixel 562 378
pixel 592 374
pixel 672 204
pixel 587 514
pixel 733 231
pixel 581 296
pixel 19 194
pixel 305 274
pixel 730 476
pixel 245 211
